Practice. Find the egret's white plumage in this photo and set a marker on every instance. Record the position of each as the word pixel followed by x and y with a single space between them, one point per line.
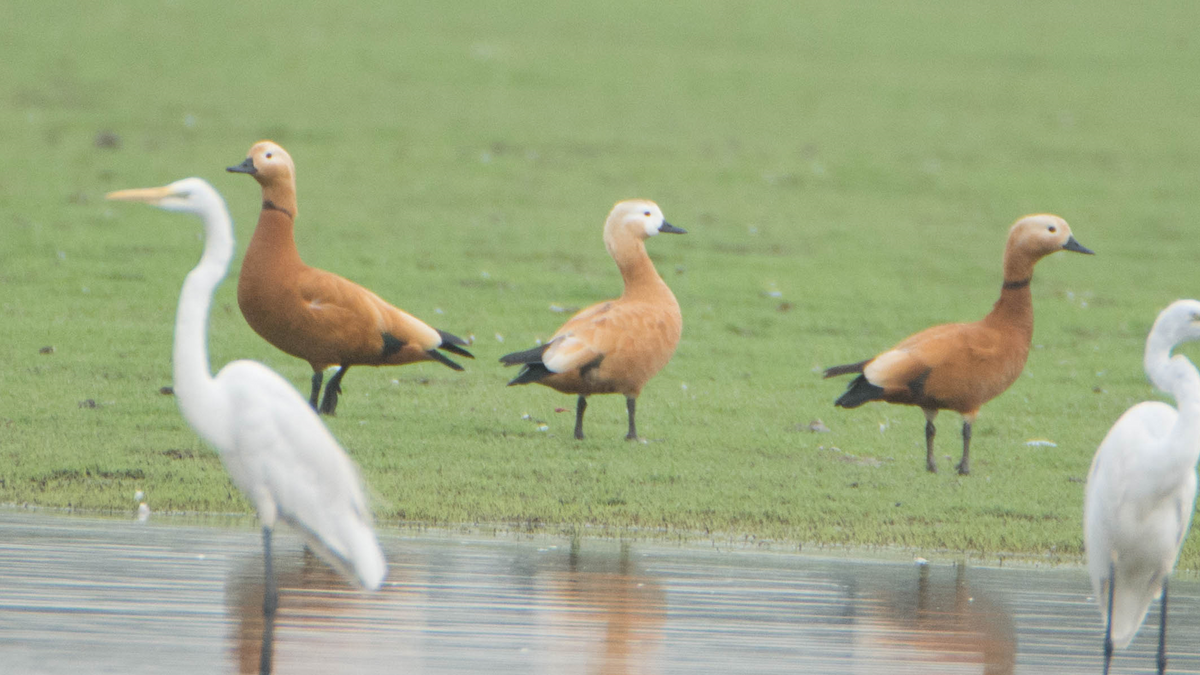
pixel 1142 485
pixel 275 448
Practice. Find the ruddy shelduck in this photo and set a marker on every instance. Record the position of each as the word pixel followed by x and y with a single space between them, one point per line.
pixel 616 346
pixel 961 366
pixel 1141 490
pixel 313 314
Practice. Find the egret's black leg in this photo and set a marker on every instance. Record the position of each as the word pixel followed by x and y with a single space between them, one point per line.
pixel 631 406
pixel 1162 632
pixel 329 405
pixel 580 406
pixel 270 604
pixel 1108 644
pixel 964 467
pixel 316 388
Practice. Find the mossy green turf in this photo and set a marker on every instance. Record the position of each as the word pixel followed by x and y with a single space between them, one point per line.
pixel 847 173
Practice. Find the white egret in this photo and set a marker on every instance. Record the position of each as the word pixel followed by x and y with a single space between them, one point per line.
pixel 1142 487
pixel 270 440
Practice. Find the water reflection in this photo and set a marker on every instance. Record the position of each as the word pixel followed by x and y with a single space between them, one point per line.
pixel 595 614
pixel 931 616
pixel 322 623
pixel 607 606
pixel 100 596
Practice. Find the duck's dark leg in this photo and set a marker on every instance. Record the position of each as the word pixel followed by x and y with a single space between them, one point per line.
pixel 631 406
pixel 580 406
pixel 964 467
pixel 317 378
pixel 930 432
pixel 1162 632
pixel 1108 643
pixel 270 604
pixel 329 405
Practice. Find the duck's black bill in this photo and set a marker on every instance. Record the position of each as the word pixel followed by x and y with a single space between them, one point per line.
pixel 1073 245
pixel 245 167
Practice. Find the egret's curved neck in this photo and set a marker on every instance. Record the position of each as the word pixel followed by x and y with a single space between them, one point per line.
pixel 1173 374
pixel 193 380
pixel 1177 376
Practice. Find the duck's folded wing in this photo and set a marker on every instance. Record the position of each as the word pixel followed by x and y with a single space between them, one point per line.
pixel 403 325
pixel 570 352
pixel 914 358
pixel 336 304
pixel 344 307
pixel 599 331
pixel 895 370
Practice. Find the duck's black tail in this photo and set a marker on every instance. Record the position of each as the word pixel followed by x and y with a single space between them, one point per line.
pixel 454 344
pixel 859 392
pixel 532 372
pixel 442 359
pixel 528 356
pixel 848 368
pixel 534 369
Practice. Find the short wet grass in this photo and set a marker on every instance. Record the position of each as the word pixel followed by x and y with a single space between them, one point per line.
pixel 847 174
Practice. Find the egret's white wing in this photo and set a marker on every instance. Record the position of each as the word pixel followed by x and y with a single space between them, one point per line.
pixel 1124 518
pixel 291 466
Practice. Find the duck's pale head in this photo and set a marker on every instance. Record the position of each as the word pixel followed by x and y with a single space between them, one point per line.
pixel 268 163
pixel 1042 234
pixel 637 218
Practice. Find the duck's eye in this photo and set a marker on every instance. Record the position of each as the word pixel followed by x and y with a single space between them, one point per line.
pixel 646 213
pixel 1051 228
pixel 268 156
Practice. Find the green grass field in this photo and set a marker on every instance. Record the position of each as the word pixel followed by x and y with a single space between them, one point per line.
pixel 847 173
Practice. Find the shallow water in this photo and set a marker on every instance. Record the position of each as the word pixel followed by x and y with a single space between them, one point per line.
pixel 88 595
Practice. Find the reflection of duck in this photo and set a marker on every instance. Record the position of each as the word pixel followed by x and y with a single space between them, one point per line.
pixel 935 620
pixel 609 607
pixel 321 621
